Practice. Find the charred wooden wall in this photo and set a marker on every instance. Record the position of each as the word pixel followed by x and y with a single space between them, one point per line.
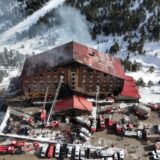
pixel 77 78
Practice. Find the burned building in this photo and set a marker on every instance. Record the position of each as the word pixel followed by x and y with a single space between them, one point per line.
pixel 83 69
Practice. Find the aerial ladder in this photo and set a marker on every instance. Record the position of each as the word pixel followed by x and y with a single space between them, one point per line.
pixel 55 99
pixel 43 113
pixel 94 114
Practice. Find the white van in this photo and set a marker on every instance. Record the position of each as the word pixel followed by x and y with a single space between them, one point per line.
pixel 82 154
pixel 77 152
pixel 57 150
pixel 44 150
pixel 121 155
pixel 85 131
pixel 69 153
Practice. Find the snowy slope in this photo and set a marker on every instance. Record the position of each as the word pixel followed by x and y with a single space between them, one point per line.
pixel 24 25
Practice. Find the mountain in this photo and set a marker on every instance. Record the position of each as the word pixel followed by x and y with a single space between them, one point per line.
pixel 129 30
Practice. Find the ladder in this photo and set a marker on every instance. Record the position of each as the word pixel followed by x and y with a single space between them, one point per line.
pixel 97 104
pixel 45 99
pixel 55 99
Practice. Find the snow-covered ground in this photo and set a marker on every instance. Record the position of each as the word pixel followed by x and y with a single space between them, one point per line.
pixel 12 73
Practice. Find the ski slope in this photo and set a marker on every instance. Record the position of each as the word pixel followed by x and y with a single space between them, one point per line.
pixel 25 24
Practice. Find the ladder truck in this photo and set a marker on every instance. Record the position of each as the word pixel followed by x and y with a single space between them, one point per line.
pixel 43 113
pixel 54 123
pixel 94 113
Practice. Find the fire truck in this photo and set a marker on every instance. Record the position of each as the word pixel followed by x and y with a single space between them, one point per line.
pixel 142 110
pixel 7 149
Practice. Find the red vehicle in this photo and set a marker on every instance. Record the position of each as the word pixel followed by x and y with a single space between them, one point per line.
pixel 102 122
pixel 7 149
pixel 51 151
pixel 53 124
pixel 110 122
pixel 157 146
pixel 154 107
pixel 94 126
pixel 18 143
pixel 36 145
pixel 43 115
pixel 119 128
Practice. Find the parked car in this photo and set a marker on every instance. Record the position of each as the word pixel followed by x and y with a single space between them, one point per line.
pixel 77 152
pixel 94 126
pixel 50 151
pixel 101 153
pixel 116 156
pixel 44 150
pixel 83 136
pixel 158 128
pixel 155 152
pixel 82 154
pixel 69 152
pixel 121 155
pixel 57 150
pixel 85 131
pixel 156 157
pixel 130 133
pixel 157 146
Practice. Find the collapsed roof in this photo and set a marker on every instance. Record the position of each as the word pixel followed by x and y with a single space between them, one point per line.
pixel 73 52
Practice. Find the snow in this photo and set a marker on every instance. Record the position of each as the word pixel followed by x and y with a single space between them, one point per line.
pixel 5 119
pixel 24 25
pixel 136 4
pixel 12 73
pixel 151 95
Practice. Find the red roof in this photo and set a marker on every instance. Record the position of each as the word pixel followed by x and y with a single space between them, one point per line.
pixel 70 52
pixel 97 60
pixel 130 88
pixel 73 102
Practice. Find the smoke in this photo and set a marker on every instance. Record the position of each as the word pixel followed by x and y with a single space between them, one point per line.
pixel 67 24
pixel 72 25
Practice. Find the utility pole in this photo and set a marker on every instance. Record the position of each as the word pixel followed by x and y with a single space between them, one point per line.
pixel 55 99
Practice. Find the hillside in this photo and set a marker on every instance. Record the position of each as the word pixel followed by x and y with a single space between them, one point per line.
pixel 127 29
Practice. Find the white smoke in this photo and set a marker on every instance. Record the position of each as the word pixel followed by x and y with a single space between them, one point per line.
pixel 72 26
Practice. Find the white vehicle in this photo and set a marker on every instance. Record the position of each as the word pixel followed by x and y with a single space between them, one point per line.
pixel 82 121
pixel 82 154
pixel 116 156
pixel 101 153
pixel 156 156
pixel 158 128
pixel 94 126
pixel 57 150
pixel 44 150
pixel 85 131
pixel 77 152
pixel 108 158
pixel 130 133
pixel 121 154
pixel 69 153
pixel 139 134
pixel 83 136
pixel 155 152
